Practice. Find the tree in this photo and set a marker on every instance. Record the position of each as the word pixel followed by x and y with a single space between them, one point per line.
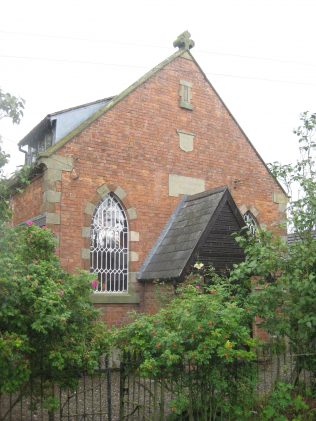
pixel 287 273
pixel 48 327
pixel 10 107
pixel 300 178
pixel 49 331
pixel 4 203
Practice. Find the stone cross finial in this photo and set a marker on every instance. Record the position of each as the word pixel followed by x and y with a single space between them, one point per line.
pixel 184 41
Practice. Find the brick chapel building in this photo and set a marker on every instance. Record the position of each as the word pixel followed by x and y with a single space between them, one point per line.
pixel 139 186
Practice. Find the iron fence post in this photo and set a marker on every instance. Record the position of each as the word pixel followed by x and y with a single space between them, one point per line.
pixel 109 389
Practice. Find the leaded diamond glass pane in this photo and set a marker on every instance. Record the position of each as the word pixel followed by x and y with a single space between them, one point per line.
pixel 109 246
pixel 251 222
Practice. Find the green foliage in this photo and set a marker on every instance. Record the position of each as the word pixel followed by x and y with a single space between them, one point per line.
pixel 4 202
pixel 11 107
pixel 201 341
pixel 283 405
pixel 202 335
pixel 284 277
pixel 200 326
pixel 3 159
pixel 300 178
pixel 48 327
pixel 21 180
pixel 14 367
pixel 288 304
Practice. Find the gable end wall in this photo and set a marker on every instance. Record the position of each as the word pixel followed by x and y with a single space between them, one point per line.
pixel 135 145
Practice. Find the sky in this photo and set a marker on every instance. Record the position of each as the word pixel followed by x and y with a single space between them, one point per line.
pixel 259 55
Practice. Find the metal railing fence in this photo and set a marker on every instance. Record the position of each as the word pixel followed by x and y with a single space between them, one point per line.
pixel 117 392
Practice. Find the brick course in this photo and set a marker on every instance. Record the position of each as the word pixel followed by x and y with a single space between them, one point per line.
pixel 28 203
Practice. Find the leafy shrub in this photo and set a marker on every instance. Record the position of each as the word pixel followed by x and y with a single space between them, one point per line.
pixel 48 327
pixel 284 404
pixel 200 342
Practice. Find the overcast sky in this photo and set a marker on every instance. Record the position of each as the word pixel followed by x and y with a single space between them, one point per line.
pixel 259 55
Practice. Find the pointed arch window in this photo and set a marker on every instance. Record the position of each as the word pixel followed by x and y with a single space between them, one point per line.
pixel 109 246
pixel 251 222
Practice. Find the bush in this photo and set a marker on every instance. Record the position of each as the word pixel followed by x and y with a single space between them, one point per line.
pixel 284 404
pixel 200 342
pixel 48 327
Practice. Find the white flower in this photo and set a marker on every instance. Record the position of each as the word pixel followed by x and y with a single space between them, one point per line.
pixel 199 265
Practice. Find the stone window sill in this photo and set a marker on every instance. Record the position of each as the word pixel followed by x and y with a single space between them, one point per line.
pixel 104 298
pixel 187 105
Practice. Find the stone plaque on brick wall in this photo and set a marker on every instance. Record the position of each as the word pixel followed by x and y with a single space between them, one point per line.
pixel 179 184
pixel 186 140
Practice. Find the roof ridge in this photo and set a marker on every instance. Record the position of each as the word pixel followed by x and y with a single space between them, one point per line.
pixel 113 102
pixel 46 120
pixel 207 193
pixel 164 247
pixel 81 106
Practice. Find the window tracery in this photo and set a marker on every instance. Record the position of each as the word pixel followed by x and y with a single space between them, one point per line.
pixel 251 222
pixel 109 246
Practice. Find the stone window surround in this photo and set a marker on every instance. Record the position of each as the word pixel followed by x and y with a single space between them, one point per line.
pixel 249 208
pixel 185 93
pixel 253 210
pixel 130 297
pixel 279 198
pixel 54 167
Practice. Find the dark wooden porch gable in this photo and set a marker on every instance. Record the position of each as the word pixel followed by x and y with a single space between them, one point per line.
pixel 219 248
pixel 199 229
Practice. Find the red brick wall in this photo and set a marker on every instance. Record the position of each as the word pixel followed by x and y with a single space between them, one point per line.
pixel 116 314
pixel 156 296
pixel 135 146
pixel 28 204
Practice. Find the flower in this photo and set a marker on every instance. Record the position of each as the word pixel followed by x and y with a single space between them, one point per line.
pixel 198 265
pixel 228 345
pixel 94 284
pixel 29 223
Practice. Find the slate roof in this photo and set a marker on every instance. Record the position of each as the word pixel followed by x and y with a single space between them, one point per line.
pixel 177 246
pixel 40 129
pixel 293 238
pixel 112 102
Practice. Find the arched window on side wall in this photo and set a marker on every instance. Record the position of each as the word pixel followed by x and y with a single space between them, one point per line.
pixel 109 246
pixel 251 222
